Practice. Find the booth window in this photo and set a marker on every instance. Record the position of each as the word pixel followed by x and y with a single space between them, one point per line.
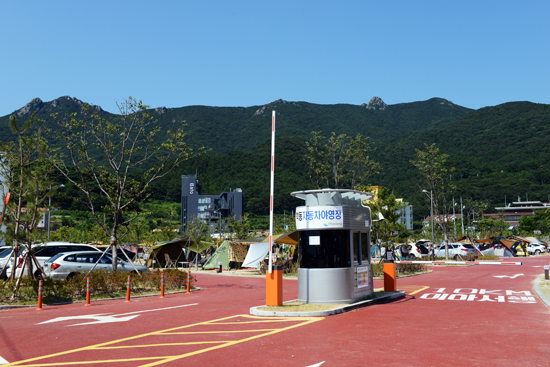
pixel 365 248
pixel 325 249
pixel 356 249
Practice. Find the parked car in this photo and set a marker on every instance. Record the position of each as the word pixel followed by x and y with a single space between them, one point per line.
pixel 43 252
pixel 456 250
pixel 119 253
pixel 5 252
pixel 67 265
pixel 532 249
pixel 419 250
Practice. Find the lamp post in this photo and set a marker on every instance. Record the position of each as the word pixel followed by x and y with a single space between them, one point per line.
pixel 454 217
pixel 462 215
pixel 49 210
pixel 432 220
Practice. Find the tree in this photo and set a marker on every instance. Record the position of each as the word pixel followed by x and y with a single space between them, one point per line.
pixel 197 231
pixel 436 184
pixel 106 153
pixel 386 204
pixel 27 173
pixel 339 161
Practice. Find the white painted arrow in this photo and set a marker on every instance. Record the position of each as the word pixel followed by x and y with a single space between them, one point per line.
pixel 104 318
pixel 508 276
pixel 316 365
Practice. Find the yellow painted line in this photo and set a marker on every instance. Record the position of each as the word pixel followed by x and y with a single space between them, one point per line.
pixel 301 321
pixel 164 345
pixel 420 290
pixel 216 332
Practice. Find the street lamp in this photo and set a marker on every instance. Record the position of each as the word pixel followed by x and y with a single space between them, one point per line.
pixel 49 210
pixel 432 220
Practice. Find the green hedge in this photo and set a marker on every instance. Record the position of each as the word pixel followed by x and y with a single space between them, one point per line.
pixel 103 284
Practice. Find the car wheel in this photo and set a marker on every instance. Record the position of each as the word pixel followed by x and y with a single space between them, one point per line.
pixel 71 276
pixel 455 257
pixel 537 252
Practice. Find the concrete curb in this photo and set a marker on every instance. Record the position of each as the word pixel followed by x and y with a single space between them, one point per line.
pixel 540 293
pixel 399 294
pixel 7 307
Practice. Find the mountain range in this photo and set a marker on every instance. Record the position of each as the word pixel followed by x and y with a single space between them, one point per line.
pixel 500 153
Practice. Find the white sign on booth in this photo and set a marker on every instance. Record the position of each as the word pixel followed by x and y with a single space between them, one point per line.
pixel 319 217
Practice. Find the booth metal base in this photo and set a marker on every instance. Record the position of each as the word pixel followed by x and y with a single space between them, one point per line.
pixel 338 285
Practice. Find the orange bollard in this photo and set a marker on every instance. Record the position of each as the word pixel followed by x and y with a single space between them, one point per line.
pixel 128 289
pixel 162 285
pixel 87 292
pixel 189 281
pixel 274 286
pixel 39 296
pixel 390 277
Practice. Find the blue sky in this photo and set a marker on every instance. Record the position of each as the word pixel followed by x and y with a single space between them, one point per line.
pixel 249 53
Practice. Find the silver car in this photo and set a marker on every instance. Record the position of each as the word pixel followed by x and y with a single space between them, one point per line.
pixel 456 250
pixel 66 265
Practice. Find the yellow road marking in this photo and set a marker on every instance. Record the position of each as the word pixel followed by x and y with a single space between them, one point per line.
pixel 420 290
pixel 298 321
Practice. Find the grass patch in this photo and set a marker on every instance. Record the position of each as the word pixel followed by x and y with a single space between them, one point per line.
pixel 545 287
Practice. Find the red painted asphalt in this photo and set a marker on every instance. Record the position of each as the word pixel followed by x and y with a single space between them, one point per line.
pixel 477 323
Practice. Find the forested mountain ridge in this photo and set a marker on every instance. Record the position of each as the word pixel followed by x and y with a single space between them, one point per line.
pixel 499 152
pixel 224 129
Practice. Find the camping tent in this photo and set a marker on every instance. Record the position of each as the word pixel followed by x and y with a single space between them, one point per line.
pixel 157 253
pixel 230 254
pixel 256 253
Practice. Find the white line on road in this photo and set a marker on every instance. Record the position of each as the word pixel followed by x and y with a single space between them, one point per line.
pixel 508 276
pixel 103 318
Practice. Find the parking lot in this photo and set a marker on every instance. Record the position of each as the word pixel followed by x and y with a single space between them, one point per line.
pixel 460 315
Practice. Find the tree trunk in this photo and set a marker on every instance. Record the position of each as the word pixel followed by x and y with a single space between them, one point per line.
pixel 113 253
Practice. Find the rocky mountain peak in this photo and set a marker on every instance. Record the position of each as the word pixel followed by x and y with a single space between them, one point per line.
pixel 376 103
pixel 33 106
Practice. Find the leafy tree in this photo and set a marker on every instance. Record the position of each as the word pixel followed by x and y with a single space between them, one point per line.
pixel 197 231
pixel 339 161
pixel 386 204
pixel 105 153
pixel 26 170
pixel 436 177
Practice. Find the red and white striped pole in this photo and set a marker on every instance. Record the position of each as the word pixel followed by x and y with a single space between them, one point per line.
pixel 87 292
pixel 128 289
pixel 39 296
pixel 189 281
pixel 271 191
pixel 162 285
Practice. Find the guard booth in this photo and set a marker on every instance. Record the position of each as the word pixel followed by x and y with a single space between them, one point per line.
pixel 334 246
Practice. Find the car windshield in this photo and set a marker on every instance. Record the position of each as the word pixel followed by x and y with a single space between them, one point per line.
pixel 5 252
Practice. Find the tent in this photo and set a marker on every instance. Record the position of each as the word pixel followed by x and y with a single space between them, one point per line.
pixel 156 258
pixel 256 253
pixel 230 254
pixel 290 238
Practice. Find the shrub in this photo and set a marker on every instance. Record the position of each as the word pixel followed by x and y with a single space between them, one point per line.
pixel 103 284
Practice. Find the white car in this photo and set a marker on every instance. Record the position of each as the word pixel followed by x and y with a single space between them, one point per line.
pixel 456 250
pixel 66 265
pixel 43 252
